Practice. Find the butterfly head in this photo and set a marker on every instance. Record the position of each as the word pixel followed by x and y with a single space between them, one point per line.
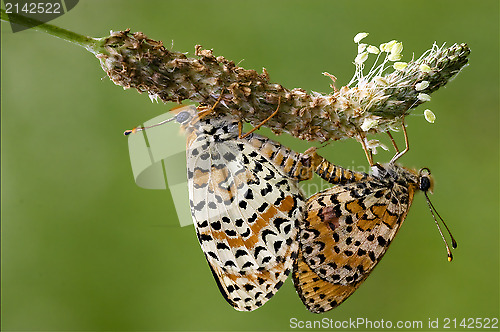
pixel 419 180
pixel 425 180
pixel 184 115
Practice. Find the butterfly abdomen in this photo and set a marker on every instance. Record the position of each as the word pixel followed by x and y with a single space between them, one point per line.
pixel 336 174
pixel 293 164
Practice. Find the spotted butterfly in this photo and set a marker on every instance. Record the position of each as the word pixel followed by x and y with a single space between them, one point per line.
pixel 348 228
pixel 246 206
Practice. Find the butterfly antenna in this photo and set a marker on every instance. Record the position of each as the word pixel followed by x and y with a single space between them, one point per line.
pixel 453 242
pixel 136 129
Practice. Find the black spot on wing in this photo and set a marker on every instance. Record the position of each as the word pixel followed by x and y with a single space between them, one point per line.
pixel 199 206
pixel 222 245
pixel 266 233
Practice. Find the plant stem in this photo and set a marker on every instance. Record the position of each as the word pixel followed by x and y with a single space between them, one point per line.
pixel 132 60
pixel 93 45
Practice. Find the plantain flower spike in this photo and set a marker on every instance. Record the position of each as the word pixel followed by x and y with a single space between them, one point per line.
pixel 371 102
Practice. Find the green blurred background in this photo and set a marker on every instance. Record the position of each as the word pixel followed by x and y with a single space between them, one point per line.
pixel 84 248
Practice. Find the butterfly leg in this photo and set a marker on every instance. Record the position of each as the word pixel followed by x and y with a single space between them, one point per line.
pixel 407 145
pixel 207 111
pixel 263 122
pixel 393 141
pixel 368 152
pixel 240 128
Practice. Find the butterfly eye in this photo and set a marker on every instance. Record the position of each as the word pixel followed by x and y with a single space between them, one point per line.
pixel 425 183
pixel 183 117
pixel 424 179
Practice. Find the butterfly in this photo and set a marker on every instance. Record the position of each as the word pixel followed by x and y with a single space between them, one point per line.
pixel 246 205
pixel 348 228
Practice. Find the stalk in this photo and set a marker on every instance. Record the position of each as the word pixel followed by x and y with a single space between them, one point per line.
pixel 370 104
pixel 93 45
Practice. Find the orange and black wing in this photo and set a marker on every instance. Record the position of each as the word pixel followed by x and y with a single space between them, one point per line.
pixel 346 232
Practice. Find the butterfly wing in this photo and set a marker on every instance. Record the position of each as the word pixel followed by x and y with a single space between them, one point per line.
pixel 246 212
pixel 318 295
pixel 346 232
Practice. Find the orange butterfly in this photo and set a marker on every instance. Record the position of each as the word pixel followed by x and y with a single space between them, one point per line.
pixel 348 228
